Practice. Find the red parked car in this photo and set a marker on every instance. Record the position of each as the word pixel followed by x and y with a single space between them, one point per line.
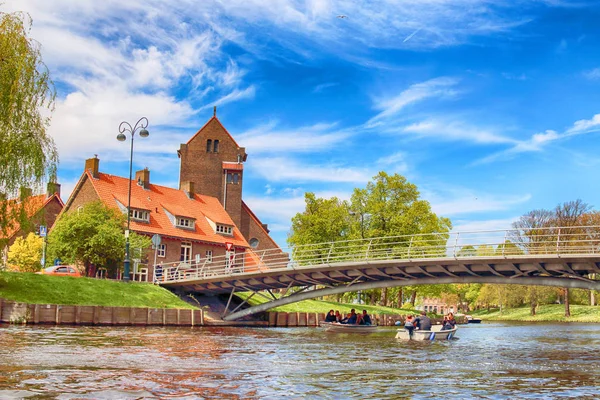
pixel 63 270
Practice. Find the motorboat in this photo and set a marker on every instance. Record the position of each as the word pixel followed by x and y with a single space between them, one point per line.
pixel 436 333
pixel 347 328
pixel 472 320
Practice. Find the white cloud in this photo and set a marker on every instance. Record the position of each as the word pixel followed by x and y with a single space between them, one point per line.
pixel 395 162
pixel 323 86
pixel 268 139
pixel 389 107
pixel 279 169
pixel 592 74
pixel 539 140
pixel 456 131
pixel 485 225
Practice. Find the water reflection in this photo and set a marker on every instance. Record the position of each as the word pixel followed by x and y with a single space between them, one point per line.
pixel 488 361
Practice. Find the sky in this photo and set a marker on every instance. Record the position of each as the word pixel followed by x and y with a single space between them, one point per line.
pixel 492 108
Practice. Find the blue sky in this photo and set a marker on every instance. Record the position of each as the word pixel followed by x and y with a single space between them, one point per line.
pixel 491 107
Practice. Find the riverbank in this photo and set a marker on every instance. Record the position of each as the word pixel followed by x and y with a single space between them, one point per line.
pixel 544 313
pixel 65 290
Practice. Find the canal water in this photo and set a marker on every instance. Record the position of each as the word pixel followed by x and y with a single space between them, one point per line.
pixel 491 360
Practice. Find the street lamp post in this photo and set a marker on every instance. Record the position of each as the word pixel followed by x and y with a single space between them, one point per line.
pixel 142 124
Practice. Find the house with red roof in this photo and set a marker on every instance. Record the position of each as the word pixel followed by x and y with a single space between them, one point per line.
pixel 42 209
pixel 204 218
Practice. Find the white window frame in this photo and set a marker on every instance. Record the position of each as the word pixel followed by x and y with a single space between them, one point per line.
pixel 188 251
pixel 224 229
pixel 162 250
pixel 139 215
pixel 209 255
pixel 183 222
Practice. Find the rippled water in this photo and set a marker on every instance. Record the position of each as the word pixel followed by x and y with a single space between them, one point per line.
pixel 491 360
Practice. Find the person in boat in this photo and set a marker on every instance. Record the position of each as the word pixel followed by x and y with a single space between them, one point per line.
pixel 338 317
pixel 345 319
pixel 423 322
pixel 365 319
pixel 330 316
pixel 451 320
pixel 352 318
pixel 409 324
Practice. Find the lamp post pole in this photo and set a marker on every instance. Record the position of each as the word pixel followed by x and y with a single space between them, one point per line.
pixel 142 124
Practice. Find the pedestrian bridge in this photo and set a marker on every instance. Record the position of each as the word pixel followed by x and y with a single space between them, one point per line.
pixel 556 256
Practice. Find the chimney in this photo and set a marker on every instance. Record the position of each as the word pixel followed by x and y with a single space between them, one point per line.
pixel 24 192
pixel 266 227
pixel 52 188
pixel 92 165
pixel 188 188
pixel 143 178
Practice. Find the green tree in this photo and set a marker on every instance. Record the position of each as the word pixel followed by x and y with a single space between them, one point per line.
pixel 25 254
pixel 388 206
pixel 28 153
pixel 94 235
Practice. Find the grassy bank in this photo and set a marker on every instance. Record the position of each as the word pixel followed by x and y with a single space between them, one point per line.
pixel 46 289
pixel 545 313
pixel 320 306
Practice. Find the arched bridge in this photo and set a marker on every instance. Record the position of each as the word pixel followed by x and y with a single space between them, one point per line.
pixel 557 256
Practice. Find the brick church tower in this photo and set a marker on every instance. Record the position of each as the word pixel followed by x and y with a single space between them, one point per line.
pixel 212 164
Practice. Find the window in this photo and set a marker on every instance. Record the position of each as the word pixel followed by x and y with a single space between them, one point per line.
pixel 228 230
pixel 139 215
pixel 183 222
pixel 229 178
pixel 208 145
pixel 236 179
pixel 186 252
pixel 79 209
pixel 253 243
pixel 209 255
pixel 216 148
pixel 162 250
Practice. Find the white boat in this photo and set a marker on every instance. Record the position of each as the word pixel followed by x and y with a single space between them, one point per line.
pixel 436 333
pixel 347 328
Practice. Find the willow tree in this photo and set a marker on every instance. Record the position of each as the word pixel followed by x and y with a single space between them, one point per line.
pixel 27 97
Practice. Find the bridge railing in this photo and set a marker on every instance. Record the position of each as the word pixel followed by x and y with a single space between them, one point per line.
pixel 464 245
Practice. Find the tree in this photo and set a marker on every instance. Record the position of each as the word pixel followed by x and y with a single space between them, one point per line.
pixel 92 236
pixel 25 254
pixel 388 206
pixel 28 153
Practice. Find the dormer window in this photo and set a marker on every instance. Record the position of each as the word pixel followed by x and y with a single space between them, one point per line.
pixel 183 222
pixel 224 229
pixel 139 215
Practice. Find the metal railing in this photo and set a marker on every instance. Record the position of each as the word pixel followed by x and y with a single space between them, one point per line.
pixel 513 243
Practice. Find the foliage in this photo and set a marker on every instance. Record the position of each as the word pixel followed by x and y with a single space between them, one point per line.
pixel 47 289
pixel 26 94
pixel 94 235
pixel 25 254
pixel 550 312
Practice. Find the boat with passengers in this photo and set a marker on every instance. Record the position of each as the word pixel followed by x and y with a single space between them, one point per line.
pixel 436 333
pixel 347 328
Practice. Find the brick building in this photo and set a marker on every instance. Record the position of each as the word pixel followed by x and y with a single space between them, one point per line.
pixel 42 209
pixel 196 221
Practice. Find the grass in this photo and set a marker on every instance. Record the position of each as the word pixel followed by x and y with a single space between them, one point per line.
pixel 320 306
pixel 46 289
pixel 545 313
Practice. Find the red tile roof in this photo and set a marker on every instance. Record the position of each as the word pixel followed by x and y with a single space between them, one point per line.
pixel 33 205
pixel 233 166
pixel 157 199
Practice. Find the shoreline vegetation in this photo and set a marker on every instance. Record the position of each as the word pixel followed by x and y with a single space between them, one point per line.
pixel 544 313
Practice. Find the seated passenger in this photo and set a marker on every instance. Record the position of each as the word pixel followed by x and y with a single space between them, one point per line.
pixel 345 320
pixel 409 324
pixel 338 316
pixel 352 318
pixel 451 320
pixel 446 325
pixel 330 317
pixel 366 319
pixel 423 322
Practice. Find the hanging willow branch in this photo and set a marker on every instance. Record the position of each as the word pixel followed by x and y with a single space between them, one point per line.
pixel 28 154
